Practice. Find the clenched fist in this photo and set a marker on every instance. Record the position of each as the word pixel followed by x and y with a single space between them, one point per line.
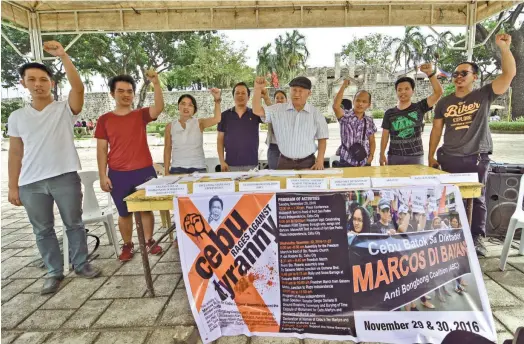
pixel 54 48
pixel 152 76
pixel 503 40
pixel 427 68
pixel 215 92
pixel 260 83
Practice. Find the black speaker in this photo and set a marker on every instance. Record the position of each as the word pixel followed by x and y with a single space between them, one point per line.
pixel 502 192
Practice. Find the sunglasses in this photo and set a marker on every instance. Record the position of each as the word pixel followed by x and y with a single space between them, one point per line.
pixel 462 73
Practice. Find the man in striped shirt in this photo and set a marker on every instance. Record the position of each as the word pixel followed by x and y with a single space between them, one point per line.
pixel 296 125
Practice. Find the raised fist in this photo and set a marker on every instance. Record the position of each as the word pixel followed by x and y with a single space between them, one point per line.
pixel 194 225
pixel 427 68
pixel 260 83
pixel 54 48
pixel 503 40
pixel 215 92
pixel 152 76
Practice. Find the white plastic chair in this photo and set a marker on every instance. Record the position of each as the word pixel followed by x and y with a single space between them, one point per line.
pixel 92 213
pixel 332 159
pixel 211 164
pixel 516 221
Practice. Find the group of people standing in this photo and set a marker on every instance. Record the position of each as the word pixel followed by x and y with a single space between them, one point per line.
pixel 89 125
pixel 43 167
pixel 464 113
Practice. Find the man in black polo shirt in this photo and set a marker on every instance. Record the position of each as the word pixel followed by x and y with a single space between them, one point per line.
pixel 238 134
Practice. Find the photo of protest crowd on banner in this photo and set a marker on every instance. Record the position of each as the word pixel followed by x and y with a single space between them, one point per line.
pixel 401 211
pixel 380 216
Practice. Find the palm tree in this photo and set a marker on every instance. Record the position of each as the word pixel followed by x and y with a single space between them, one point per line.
pixel 266 60
pixel 297 52
pixel 437 46
pixel 289 59
pixel 281 58
pixel 410 48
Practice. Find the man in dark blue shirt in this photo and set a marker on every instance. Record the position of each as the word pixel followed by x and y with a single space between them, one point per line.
pixel 238 134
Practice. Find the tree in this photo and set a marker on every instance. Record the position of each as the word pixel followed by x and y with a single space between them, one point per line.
pixel 209 62
pixel 8 107
pixel 133 53
pixel 289 57
pixel 410 48
pixel 296 53
pixel 372 50
pixel 82 53
pixel 515 28
pixel 266 60
pixel 10 59
pixel 436 47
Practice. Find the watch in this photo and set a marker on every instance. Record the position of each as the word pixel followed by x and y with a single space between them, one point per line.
pixel 431 75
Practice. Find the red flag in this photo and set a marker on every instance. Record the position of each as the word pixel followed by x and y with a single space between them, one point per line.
pixel 274 80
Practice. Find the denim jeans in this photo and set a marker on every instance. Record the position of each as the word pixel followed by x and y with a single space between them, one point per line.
pixel 273 154
pixel 38 200
pixel 470 164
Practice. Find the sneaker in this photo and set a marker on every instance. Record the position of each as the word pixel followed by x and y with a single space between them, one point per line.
pixel 155 250
pixel 51 285
pixel 479 246
pixel 88 271
pixel 128 252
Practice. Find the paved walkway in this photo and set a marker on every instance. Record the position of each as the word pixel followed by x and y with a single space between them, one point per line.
pixel 114 308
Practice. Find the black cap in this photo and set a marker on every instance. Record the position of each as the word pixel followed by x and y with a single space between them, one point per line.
pixel 301 81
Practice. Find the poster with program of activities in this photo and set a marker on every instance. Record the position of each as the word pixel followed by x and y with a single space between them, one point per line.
pixel 388 265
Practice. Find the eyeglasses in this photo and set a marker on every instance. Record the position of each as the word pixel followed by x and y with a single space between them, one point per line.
pixel 462 73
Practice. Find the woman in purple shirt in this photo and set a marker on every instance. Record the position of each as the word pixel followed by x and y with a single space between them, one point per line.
pixel 357 131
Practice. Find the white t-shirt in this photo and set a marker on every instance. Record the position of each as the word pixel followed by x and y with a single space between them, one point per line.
pixel 49 148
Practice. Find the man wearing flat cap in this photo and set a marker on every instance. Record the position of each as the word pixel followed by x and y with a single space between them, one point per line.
pixel 296 124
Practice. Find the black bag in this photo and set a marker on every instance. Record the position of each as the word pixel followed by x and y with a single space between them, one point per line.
pixel 357 151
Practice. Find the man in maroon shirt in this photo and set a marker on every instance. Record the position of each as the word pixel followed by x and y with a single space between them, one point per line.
pixel 123 130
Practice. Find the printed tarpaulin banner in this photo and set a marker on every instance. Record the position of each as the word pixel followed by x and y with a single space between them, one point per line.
pixel 347 265
pixel 402 267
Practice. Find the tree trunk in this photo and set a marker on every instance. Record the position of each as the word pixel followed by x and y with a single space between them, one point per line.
pixel 142 94
pixel 517 95
pixel 55 91
pixel 517 48
pixel 517 91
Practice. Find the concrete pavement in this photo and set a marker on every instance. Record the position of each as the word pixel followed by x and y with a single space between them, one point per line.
pixel 114 309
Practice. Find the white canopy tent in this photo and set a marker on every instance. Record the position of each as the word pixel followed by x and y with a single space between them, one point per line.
pixel 40 18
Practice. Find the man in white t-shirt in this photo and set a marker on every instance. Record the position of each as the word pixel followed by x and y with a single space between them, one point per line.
pixel 43 165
